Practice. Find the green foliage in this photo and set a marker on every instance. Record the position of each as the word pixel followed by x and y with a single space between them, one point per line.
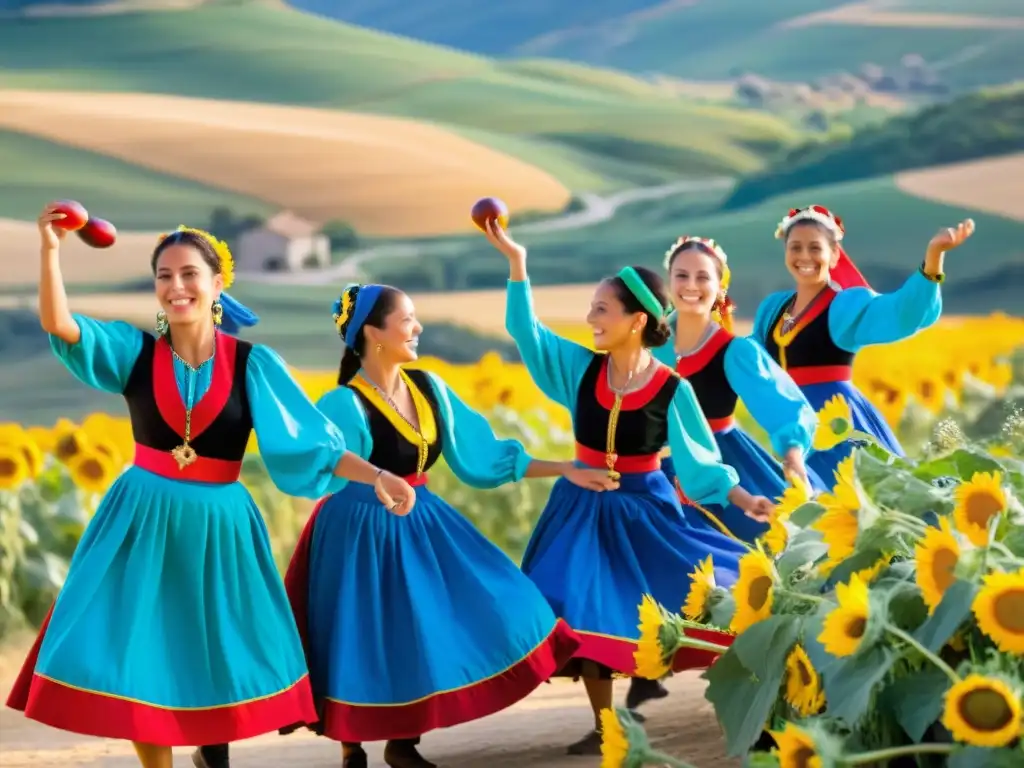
pixel 973 126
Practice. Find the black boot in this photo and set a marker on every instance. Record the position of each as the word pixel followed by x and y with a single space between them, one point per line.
pixel 354 756
pixel 211 756
pixel 641 691
pixel 588 745
pixel 402 753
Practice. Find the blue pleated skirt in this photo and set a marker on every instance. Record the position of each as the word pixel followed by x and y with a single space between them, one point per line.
pixel 173 626
pixel 595 554
pixel 866 418
pixel 418 622
pixel 759 473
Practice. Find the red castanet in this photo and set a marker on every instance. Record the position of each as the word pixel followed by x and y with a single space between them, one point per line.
pixel 489 209
pixel 99 233
pixel 75 215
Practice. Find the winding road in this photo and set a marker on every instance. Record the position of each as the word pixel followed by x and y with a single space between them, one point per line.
pixel 596 209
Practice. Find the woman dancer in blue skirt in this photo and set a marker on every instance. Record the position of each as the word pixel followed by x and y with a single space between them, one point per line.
pixel 416 623
pixel 594 555
pixel 815 331
pixel 173 626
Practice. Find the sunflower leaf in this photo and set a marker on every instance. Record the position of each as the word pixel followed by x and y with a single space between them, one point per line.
pixel 892 487
pixel 765 645
pixel 800 553
pixel 916 700
pixel 849 685
pixel 742 703
pixel 806 514
pixel 948 616
pixel 961 463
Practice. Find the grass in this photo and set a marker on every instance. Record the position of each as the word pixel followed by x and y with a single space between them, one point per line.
pixel 252 52
pixel 36 170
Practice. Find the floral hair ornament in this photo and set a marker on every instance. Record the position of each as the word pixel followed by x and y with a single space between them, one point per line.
pixel 724 307
pixel 220 249
pixel 353 307
pixel 636 285
pixel 845 273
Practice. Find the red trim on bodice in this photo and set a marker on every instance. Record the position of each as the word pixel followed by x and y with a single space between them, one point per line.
pixel 634 400
pixel 691 364
pixel 168 399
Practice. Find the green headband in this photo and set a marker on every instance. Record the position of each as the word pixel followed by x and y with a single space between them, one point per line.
pixel 643 294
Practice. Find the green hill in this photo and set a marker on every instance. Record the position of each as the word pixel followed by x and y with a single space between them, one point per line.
pixel 36 170
pixel 710 39
pixel 989 122
pixel 255 52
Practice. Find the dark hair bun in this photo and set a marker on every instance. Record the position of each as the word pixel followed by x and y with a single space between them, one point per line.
pixel 656 334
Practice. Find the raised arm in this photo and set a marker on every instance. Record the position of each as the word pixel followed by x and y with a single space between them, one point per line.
pixel 305 453
pixel 772 398
pixel 555 363
pixel 859 317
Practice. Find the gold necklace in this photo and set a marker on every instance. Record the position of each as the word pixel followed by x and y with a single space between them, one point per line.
pixel 422 446
pixel 610 456
pixel 185 454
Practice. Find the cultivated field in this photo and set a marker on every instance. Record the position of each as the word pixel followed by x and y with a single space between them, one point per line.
pixel 992 185
pixel 385 176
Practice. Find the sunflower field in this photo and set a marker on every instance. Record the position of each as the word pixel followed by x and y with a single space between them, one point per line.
pixel 881 623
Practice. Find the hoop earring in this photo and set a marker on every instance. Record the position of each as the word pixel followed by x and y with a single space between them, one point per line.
pixel 218 312
pixel 379 348
pixel 162 325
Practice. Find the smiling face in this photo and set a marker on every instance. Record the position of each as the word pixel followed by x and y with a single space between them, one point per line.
pixel 810 253
pixel 694 281
pixel 400 335
pixel 612 325
pixel 186 285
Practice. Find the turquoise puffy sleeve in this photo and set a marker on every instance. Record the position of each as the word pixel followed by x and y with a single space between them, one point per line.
pixel 342 408
pixel 666 353
pixel 476 456
pixel 766 312
pixel 555 363
pixel 299 444
pixel 771 396
pixel 695 456
pixel 859 317
pixel 105 354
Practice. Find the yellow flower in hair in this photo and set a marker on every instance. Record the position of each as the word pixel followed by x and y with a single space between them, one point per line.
pixel 220 248
pixel 343 309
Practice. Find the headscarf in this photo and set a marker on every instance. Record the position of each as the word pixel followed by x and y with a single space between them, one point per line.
pixel 845 273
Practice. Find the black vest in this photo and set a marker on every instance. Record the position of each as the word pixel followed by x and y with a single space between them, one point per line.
pixel 221 419
pixel 813 346
pixel 705 371
pixel 643 420
pixel 391 451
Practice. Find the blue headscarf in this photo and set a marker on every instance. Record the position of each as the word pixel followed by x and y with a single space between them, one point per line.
pixel 236 315
pixel 355 316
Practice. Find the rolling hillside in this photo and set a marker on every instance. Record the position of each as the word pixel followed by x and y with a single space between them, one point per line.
pixel 972 44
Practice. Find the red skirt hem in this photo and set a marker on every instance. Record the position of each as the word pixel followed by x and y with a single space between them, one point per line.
pixel 353 722
pixel 96 714
pixel 616 653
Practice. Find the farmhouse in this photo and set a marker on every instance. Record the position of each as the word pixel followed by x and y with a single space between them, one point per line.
pixel 285 243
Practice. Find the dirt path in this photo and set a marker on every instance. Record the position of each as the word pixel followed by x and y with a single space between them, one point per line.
pixel 532 733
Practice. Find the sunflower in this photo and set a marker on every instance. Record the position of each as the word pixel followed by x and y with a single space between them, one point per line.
pixel 44 438
pixel 70 441
pixel 614 742
pixel 869 574
pixel 776 537
pixel 796 748
pixel 977 503
pixel 14 468
pixel 835 424
pixel 803 684
pixel 999 609
pixel 113 433
pixel 793 497
pixel 937 555
pixel 754 591
pixel 982 711
pixel 92 471
pixel 16 438
pixel 649 656
pixel 839 523
pixel 846 625
pixel 702 583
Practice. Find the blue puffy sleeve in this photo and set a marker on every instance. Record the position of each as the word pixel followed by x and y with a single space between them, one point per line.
pixel 695 456
pixel 767 311
pixel 105 354
pixel 342 408
pixel 860 317
pixel 555 363
pixel 299 445
pixel 771 396
pixel 476 456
